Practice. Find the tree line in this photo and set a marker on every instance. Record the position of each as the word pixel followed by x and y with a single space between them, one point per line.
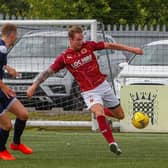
pixel 140 12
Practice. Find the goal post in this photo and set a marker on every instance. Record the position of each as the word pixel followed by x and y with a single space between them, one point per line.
pixel 30 66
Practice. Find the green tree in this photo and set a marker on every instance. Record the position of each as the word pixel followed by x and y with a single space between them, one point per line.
pixel 106 11
pixel 11 7
pixel 153 12
pixel 45 9
pixel 123 12
pixel 70 9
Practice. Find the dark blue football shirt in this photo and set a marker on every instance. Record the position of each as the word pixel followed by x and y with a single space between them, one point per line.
pixel 3 57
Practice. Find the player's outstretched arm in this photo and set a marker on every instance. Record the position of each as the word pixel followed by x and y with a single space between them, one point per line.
pixel 42 77
pixel 117 46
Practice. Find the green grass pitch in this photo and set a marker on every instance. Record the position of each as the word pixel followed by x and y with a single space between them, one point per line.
pixel 85 149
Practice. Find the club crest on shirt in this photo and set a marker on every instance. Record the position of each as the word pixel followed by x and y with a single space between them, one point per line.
pixel 83 51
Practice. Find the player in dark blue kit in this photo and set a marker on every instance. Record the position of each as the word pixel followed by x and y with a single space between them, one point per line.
pixel 8 100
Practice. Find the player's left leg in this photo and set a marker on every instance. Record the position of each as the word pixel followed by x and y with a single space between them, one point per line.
pixel 112 104
pixel 116 112
pixel 21 117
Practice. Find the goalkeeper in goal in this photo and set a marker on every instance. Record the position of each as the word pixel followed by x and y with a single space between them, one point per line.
pixel 98 95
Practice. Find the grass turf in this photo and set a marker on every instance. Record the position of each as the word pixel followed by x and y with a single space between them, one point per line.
pixel 89 150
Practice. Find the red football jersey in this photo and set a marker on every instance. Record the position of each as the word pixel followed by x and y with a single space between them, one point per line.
pixel 82 65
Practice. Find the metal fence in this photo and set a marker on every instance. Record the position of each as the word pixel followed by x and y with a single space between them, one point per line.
pixel 136 36
pixel 124 34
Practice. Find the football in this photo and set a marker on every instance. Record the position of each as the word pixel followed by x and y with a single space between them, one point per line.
pixel 140 120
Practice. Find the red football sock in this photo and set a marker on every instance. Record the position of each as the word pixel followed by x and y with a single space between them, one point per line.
pixel 108 112
pixel 105 129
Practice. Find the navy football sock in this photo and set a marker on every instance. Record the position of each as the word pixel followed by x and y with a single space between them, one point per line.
pixel 18 130
pixel 3 138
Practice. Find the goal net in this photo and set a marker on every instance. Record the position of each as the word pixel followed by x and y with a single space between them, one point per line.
pixel 39 43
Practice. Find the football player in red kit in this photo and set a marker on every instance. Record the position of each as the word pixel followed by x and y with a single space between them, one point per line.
pixel 81 61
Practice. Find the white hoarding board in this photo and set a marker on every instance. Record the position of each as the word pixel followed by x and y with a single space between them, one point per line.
pixel 151 99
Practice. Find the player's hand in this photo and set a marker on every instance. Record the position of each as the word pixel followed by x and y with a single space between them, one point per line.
pixel 138 51
pixel 31 90
pixel 8 91
pixel 12 71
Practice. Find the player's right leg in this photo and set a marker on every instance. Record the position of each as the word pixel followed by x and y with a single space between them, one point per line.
pixel 5 126
pixel 98 110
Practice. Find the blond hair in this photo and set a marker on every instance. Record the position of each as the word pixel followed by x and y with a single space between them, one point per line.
pixel 73 30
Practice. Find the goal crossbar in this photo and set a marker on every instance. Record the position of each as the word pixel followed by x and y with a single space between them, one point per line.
pixel 91 22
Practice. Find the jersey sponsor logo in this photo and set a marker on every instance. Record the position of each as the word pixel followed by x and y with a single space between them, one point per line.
pixel 76 64
pixel 82 61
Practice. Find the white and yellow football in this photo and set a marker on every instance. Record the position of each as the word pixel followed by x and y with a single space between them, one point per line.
pixel 140 120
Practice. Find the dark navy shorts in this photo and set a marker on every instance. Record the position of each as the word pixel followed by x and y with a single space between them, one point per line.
pixel 5 102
